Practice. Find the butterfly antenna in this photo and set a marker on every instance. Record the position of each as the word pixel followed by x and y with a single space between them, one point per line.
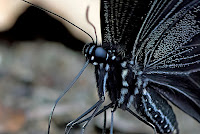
pixel 87 17
pixel 64 92
pixel 59 17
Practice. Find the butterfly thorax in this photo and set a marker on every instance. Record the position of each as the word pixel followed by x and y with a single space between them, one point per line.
pixel 114 74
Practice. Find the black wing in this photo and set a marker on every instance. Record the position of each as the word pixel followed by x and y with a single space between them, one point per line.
pixel 167 48
pixel 119 20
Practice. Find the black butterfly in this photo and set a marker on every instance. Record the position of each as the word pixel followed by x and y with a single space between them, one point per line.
pixel 150 57
pixel 150 53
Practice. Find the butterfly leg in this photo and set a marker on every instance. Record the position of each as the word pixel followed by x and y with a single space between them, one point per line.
pixel 112 117
pixel 72 123
pixel 141 119
pixel 104 123
pixel 110 105
pixel 99 103
pixel 99 112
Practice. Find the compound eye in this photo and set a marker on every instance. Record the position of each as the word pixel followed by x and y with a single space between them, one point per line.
pixel 100 53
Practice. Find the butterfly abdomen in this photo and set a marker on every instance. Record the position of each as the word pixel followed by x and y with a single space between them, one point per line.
pixel 156 110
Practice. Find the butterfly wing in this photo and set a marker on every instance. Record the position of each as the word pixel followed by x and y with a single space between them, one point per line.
pixel 119 20
pixel 167 48
pixel 166 44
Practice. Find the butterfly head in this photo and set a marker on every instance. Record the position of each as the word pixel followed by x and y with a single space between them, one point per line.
pixel 95 54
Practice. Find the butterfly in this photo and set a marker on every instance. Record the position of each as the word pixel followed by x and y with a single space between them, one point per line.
pixel 150 54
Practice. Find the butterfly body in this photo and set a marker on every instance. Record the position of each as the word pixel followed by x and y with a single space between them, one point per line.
pixel 127 87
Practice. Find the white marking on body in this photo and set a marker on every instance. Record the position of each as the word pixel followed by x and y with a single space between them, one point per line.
pixel 91 49
pixel 130 101
pixel 107 67
pixel 124 73
pixel 140 72
pixel 145 83
pixel 169 123
pixel 124 91
pixel 125 83
pixel 101 65
pixel 87 49
pixel 144 91
pixel 121 100
pixel 139 82
pixel 114 57
pixel 95 63
pixel 92 58
pixel 136 91
pixel 131 62
pixel 107 56
pixel 123 64
pixel 104 82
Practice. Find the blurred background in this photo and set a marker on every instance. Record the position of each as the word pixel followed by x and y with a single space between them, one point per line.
pixel 39 56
